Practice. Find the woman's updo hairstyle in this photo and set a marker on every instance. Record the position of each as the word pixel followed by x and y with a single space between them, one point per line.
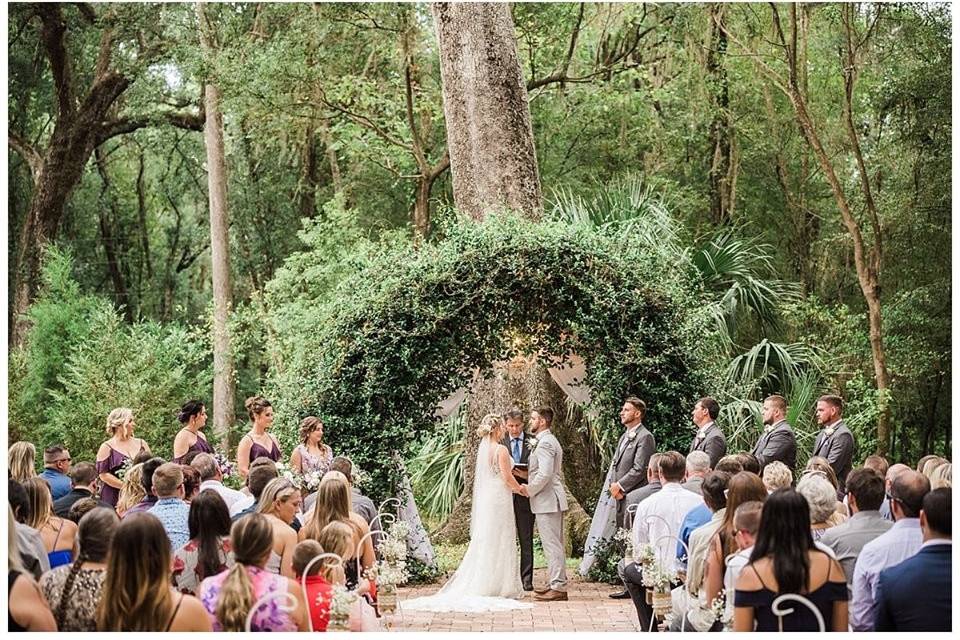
pixel 256 405
pixel 118 418
pixel 307 426
pixel 490 422
pixel 190 409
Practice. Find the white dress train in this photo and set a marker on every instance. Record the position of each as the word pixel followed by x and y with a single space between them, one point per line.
pixel 488 578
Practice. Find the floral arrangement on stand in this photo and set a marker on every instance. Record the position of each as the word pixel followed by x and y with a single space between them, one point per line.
pixel 624 538
pixel 657 579
pixel 718 607
pixel 391 569
pixel 341 603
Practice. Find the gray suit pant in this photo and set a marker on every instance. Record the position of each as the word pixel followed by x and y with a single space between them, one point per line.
pixel 550 527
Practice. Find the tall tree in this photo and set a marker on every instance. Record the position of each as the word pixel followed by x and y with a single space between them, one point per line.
pixel 223 383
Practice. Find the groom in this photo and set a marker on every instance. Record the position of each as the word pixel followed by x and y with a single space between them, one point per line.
pixel 548 501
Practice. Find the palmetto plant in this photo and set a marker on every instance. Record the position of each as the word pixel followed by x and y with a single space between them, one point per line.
pixel 436 472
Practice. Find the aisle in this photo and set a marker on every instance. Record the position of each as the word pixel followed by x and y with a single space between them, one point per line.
pixel 588 609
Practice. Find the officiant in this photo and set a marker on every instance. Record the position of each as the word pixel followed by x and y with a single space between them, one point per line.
pixel 517 442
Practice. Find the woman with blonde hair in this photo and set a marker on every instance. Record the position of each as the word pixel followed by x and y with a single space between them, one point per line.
pixel 312 455
pixel 229 596
pixel 333 505
pixel 131 490
pixel 337 537
pixel 257 442
pixel 137 593
pixel 22 461
pixel 280 503
pixel 59 534
pixel 117 453
pixel 942 477
pixel 27 609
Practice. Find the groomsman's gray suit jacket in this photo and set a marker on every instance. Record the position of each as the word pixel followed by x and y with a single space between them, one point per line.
pixel 713 443
pixel 838 449
pixel 545 481
pixel 630 461
pixel 780 443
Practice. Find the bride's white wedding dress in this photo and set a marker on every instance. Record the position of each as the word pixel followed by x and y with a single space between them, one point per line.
pixel 488 578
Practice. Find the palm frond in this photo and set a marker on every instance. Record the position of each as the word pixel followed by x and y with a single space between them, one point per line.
pixel 436 472
pixel 773 364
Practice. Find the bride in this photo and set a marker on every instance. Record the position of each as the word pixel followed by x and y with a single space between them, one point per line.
pixel 488 578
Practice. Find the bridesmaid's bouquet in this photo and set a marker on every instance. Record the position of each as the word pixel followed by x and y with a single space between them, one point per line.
pixel 311 480
pixel 226 467
pixel 122 471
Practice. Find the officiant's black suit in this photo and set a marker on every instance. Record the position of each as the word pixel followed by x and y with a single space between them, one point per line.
pixel 523 516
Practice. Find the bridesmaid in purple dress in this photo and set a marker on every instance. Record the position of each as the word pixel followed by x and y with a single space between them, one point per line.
pixel 117 451
pixel 257 442
pixel 193 416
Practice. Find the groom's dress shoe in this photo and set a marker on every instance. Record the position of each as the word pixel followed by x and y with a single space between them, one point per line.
pixel 540 592
pixel 551 596
pixel 620 595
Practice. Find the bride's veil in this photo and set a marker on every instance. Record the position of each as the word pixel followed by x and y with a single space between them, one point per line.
pixel 481 479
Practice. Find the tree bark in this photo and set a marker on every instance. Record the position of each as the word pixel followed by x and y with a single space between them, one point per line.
pixel 223 383
pixel 110 242
pixel 489 132
pixel 722 167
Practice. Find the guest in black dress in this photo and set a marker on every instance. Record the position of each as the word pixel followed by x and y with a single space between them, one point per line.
pixel 784 560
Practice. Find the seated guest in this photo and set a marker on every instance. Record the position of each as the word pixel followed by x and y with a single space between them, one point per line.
pixel 698 466
pixel 942 477
pixel 82 507
pixel 702 514
pixel 818 465
pixel 893 547
pixel 22 461
pixel 864 496
pixel 137 593
pixel 729 464
pixel 33 553
pixel 821 497
pixel 73 591
pixel 83 477
pixel 878 464
pixel 336 538
pixel 749 462
pixel 229 595
pixel 208 551
pixel 670 504
pixel 777 475
pixel 889 477
pixel 59 534
pixel 191 482
pixel 27 609
pixel 785 560
pixel 56 466
pixel 149 499
pixel 930 465
pixel 257 480
pixel 635 497
pixel 746 521
pixel 192 417
pixel 359 503
pixel 132 492
pixel 170 509
pixel 924 460
pixel 212 478
pixel 319 591
pixel 280 503
pixel 899 607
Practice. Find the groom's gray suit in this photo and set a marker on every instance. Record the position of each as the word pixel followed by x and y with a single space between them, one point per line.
pixel 548 501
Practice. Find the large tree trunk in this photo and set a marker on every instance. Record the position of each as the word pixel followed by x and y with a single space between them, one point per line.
pixel 223 390
pixel 110 242
pixel 722 166
pixel 489 133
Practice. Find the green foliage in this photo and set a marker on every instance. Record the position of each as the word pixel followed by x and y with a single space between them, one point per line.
pixel 402 334
pixel 436 471
pixel 607 554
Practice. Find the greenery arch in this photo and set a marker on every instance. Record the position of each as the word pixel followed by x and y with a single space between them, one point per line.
pixel 411 326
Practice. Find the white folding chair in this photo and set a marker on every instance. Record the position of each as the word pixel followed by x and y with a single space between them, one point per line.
pixel 783 612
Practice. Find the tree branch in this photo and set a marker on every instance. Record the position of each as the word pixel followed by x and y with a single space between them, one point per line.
pixel 129 124
pixel 417 147
pixel 365 122
pixel 560 75
pixel 54 34
pixel 27 152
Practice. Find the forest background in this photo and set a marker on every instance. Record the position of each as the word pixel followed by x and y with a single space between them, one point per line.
pixel 799 156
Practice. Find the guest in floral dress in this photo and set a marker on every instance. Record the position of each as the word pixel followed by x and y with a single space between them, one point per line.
pixel 73 591
pixel 117 452
pixel 208 552
pixel 229 595
pixel 311 455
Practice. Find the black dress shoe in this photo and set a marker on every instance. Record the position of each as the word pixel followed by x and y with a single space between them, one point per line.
pixel 619 595
pixel 528 587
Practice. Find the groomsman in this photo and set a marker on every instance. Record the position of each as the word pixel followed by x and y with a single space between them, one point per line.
pixel 516 444
pixel 632 455
pixel 835 441
pixel 709 438
pixel 777 442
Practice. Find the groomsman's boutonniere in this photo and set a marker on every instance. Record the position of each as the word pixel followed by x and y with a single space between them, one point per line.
pixel 768 428
pixel 701 434
pixel 829 431
pixel 632 434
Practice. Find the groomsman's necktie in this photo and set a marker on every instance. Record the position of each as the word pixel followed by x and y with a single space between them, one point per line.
pixel 516 449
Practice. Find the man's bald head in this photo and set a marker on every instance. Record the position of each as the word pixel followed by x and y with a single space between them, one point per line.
pixel 892 473
pixel 908 490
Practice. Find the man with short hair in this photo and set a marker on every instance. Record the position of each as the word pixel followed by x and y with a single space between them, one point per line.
pixel 729 464
pixel 777 442
pixel 150 499
pixel 669 506
pixel 891 475
pixel 212 478
pixel 631 457
pixel 864 496
pixel 516 442
pixel 698 466
pixel 257 480
pixel 928 573
pixel 709 437
pixel 84 476
pixel 877 463
pixel 171 509
pixel 56 466
pixel 893 547
pixel 835 441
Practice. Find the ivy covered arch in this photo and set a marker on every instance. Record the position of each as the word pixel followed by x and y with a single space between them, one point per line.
pixel 411 327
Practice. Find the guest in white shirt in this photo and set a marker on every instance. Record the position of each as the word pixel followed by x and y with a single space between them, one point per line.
pixel 211 478
pixel 902 541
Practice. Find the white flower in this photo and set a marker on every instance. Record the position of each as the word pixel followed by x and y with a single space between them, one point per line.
pixel 532 443
pixel 632 434
pixel 829 431
pixel 701 434
pixel 341 602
